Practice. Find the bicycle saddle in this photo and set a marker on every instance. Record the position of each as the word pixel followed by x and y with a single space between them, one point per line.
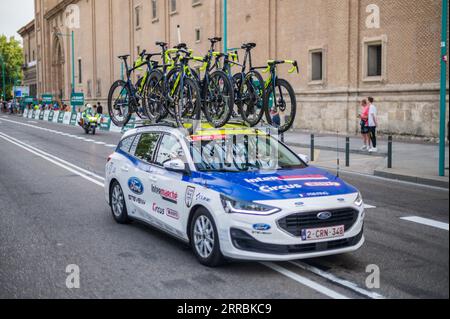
pixel 248 46
pixel 161 44
pixel 215 39
pixel 181 46
pixel 125 56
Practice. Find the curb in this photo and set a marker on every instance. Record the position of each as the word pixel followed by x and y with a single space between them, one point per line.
pixel 341 150
pixel 413 179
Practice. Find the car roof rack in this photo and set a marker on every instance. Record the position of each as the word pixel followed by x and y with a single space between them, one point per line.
pixel 147 123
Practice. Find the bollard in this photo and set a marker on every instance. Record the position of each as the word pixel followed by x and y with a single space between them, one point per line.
pixel 312 148
pixel 347 152
pixel 390 152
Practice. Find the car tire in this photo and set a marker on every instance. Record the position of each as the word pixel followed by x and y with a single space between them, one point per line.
pixel 209 253
pixel 118 204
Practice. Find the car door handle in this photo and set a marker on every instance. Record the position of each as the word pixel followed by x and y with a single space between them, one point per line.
pixel 125 168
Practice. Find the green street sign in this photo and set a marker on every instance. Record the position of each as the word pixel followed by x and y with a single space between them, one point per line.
pixel 47 99
pixel 77 99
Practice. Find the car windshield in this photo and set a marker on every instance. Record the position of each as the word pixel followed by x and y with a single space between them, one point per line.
pixel 249 150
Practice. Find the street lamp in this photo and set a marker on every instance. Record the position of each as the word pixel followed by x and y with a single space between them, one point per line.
pixel 443 116
pixel 225 25
pixel 3 77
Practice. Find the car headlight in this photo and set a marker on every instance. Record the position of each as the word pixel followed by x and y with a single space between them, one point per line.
pixel 359 200
pixel 233 206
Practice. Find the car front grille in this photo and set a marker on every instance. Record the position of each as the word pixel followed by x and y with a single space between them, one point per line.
pixel 243 241
pixel 295 223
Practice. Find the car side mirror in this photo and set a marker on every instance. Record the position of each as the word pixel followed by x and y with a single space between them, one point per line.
pixel 304 158
pixel 177 166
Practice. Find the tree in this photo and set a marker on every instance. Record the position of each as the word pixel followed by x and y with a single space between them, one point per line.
pixel 11 54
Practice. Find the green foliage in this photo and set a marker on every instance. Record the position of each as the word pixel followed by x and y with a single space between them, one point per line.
pixel 11 54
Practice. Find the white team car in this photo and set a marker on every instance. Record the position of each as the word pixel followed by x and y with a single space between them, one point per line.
pixel 234 193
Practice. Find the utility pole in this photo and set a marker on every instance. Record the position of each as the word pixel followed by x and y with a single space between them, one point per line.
pixel 225 25
pixel 443 115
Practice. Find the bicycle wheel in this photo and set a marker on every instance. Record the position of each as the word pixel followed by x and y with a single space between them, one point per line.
pixel 219 100
pixel 153 100
pixel 119 99
pixel 187 101
pixel 281 107
pixel 252 98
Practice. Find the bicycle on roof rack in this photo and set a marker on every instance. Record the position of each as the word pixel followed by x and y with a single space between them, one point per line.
pixel 124 98
pixel 177 96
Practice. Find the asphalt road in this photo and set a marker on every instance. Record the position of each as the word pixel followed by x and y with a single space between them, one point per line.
pixel 51 217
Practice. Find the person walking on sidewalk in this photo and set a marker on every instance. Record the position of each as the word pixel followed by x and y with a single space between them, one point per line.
pixel 373 124
pixel 364 116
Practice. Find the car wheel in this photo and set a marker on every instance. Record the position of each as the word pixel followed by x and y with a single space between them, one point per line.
pixel 118 204
pixel 205 240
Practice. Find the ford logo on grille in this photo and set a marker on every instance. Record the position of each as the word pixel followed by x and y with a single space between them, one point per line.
pixel 136 186
pixel 324 215
pixel 261 227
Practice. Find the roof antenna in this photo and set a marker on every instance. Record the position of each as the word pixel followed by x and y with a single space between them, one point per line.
pixel 338 159
pixel 179 33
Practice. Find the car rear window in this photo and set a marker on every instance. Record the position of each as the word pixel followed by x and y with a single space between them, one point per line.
pixel 146 147
pixel 126 143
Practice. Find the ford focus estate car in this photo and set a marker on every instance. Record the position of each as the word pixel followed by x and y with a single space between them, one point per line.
pixel 232 193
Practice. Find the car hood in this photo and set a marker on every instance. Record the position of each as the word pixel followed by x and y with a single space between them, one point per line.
pixel 275 185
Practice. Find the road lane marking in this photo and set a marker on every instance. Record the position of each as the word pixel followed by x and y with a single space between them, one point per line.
pixel 53 157
pixel 76 172
pixel 366 206
pixel 32 122
pixel 62 133
pixel 337 280
pixel 426 221
pixel 305 281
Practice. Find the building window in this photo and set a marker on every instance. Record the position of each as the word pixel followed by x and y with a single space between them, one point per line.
pixel 154 10
pixel 34 57
pixel 374 59
pixel 196 2
pixel 80 73
pixel 137 12
pixel 173 6
pixel 198 35
pixel 317 66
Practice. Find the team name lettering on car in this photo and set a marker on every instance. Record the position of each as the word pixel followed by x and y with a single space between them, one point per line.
pixel 203 198
pixel 158 209
pixel 286 178
pixel 167 195
pixel 172 214
pixel 323 184
pixel 268 189
pixel 137 200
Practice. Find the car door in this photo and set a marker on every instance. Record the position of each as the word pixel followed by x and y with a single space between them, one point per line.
pixel 139 194
pixel 169 187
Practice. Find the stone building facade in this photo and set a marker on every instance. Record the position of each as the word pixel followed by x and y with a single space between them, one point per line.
pixel 347 50
pixel 28 35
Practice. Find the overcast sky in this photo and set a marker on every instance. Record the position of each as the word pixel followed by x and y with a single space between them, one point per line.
pixel 15 14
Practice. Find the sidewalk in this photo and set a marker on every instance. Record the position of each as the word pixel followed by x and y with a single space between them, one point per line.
pixel 415 162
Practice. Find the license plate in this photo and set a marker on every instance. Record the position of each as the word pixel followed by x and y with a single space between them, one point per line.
pixel 323 233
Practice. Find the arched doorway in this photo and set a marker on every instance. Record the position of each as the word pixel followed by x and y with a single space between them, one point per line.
pixel 58 69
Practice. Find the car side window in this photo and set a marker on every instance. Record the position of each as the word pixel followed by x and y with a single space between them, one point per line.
pixel 126 143
pixel 170 149
pixel 146 146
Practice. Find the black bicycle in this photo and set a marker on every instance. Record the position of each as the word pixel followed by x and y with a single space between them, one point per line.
pixel 124 98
